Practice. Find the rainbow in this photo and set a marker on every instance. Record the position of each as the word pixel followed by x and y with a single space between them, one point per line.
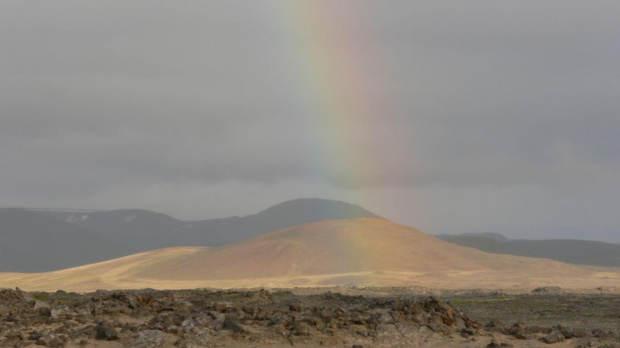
pixel 325 58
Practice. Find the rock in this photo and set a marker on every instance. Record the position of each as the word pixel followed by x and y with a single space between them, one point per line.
pixel 59 312
pixel 231 324
pixel 105 332
pixel 35 335
pixel 303 329
pixel 495 325
pixel 517 330
pixel 218 320
pixel 223 307
pixel 10 295
pixel 250 310
pixel 278 321
pixel 467 332
pixel 44 311
pixel 172 329
pixel 448 317
pixel 547 290
pixel 117 309
pixel 579 332
pixel 496 344
pixel 554 337
pixel 40 304
pixel 440 328
pixel 148 339
pixel 568 333
pixel 384 317
pixel 49 341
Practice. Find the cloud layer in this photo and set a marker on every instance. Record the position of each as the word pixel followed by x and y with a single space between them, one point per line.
pixel 499 117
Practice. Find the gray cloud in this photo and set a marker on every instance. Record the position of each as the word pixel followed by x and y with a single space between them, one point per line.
pixel 113 104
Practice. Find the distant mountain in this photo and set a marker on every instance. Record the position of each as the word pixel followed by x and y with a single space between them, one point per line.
pixel 30 242
pixel 139 229
pixel 296 212
pixel 355 252
pixel 580 252
pixel 131 230
pixel 147 230
pixel 491 235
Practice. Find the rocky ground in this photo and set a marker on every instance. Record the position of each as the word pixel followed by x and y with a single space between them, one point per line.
pixel 543 307
pixel 203 318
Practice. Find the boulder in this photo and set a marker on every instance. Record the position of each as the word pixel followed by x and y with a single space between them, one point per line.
pixel 554 337
pixel 148 339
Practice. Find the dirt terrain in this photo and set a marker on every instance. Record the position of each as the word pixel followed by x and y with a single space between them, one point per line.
pixel 387 317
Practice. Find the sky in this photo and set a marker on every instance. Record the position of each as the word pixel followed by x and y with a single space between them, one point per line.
pixel 451 116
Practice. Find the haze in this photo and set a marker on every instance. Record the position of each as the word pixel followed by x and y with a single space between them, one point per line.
pixel 451 117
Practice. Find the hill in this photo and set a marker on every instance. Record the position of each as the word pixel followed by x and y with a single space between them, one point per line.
pixel 360 252
pixel 34 243
pixel 219 232
pixel 47 239
pixel 146 230
pixel 580 252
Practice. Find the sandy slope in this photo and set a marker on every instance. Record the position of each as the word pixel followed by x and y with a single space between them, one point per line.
pixel 362 252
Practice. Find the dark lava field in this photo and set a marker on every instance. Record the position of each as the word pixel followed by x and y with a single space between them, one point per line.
pixel 282 318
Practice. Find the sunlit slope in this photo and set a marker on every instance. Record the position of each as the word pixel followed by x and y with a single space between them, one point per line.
pixel 113 274
pixel 363 252
pixel 344 246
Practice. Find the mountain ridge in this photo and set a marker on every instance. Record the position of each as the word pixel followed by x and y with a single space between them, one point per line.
pixel 137 230
pixel 574 251
pixel 34 243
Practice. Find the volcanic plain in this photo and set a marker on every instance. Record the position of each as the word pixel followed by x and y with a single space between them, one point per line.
pixel 362 282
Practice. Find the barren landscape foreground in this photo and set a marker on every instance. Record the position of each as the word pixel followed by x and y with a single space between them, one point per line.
pixel 362 282
pixel 365 252
pixel 310 318
pixel 247 174
pixel 357 283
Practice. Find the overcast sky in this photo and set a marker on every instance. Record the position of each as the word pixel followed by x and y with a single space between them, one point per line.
pixel 448 116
